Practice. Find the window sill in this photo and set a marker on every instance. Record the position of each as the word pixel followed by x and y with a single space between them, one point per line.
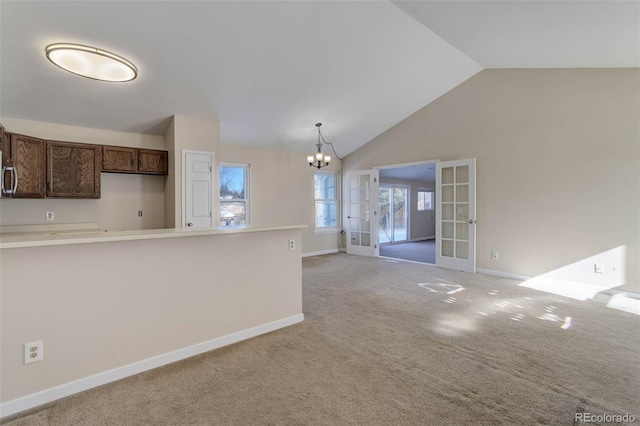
pixel 323 231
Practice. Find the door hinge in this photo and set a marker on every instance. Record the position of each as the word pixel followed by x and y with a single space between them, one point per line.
pixel 375 179
pixel 211 169
pixel 210 214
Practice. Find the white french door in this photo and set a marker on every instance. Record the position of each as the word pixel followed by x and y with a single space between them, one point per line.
pixel 197 172
pixel 362 216
pixel 456 214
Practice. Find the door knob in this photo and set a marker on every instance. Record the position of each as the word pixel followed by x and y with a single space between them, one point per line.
pixel 189 224
pixel 471 221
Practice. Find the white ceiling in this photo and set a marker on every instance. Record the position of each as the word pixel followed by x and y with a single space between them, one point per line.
pixel 268 71
pixel 417 173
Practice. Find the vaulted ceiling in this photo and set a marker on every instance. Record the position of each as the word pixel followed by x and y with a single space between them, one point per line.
pixel 268 71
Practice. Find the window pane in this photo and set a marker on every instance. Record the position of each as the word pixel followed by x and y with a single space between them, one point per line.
pixel 425 200
pixel 233 213
pixel 232 182
pixel 326 214
pixel 325 186
pixel 325 194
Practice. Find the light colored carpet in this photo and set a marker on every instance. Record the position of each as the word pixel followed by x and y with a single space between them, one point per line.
pixel 392 344
pixel 419 251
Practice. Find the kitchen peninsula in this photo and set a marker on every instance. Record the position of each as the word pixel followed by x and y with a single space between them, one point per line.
pixel 107 305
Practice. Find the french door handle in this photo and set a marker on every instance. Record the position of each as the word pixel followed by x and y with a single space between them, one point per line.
pixel 471 221
pixel 189 224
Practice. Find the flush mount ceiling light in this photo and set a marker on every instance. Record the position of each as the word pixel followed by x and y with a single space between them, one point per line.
pixel 90 62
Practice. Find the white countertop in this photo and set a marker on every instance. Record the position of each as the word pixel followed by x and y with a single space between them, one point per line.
pixel 38 239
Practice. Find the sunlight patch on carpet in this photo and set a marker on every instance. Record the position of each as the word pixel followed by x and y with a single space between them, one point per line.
pixel 448 288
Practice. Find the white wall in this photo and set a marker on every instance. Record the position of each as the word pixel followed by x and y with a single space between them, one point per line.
pixel 122 195
pixel 130 301
pixel 191 134
pixel 281 191
pixel 558 164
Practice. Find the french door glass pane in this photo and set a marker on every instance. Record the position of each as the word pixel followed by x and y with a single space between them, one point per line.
pixel 447 193
pixel 447 248
pixel 462 174
pixel 462 231
pixel 462 193
pixel 462 250
pixel 447 175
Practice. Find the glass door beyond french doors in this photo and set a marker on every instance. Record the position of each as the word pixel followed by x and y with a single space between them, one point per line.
pixel 394 220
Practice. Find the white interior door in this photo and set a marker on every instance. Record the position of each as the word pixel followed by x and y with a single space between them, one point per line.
pixel 198 189
pixel 456 214
pixel 362 216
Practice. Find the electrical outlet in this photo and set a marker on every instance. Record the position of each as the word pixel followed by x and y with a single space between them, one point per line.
pixel 33 352
pixel 494 255
pixel 139 213
pixel 598 268
pixel 50 215
pixel 292 245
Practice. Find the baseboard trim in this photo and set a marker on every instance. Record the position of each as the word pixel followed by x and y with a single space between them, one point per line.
pixel 503 274
pixel 48 395
pixel 320 253
pixel 415 240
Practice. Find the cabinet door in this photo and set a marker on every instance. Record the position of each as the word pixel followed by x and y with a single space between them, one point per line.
pixel 28 155
pixel 154 162
pixel 119 159
pixel 73 170
pixel 5 147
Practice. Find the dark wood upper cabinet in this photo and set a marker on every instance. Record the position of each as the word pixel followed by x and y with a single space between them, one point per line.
pixel 119 159
pixel 151 161
pixel 29 159
pixel 73 170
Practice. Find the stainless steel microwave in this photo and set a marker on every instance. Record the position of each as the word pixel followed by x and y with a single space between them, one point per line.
pixel 12 174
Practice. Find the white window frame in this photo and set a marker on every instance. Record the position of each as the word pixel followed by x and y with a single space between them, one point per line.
pixel 433 199
pixel 247 190
pixel 328 229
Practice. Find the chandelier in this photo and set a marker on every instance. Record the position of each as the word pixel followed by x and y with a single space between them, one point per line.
pixel 319 160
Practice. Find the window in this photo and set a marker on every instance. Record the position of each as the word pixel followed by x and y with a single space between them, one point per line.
pixel 234 194
pixel 326 196
pixel 425 200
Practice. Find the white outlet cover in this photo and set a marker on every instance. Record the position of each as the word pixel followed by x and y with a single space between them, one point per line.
pixel 50 215
pixel 33 352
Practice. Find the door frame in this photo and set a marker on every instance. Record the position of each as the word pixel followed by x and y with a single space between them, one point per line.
pixel 413 163
pixel 215 204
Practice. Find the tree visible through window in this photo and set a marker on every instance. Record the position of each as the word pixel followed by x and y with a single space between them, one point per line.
pixel 325 190
pixel 234 203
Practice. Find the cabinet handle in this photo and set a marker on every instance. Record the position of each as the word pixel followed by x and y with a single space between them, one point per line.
pixel 14 179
